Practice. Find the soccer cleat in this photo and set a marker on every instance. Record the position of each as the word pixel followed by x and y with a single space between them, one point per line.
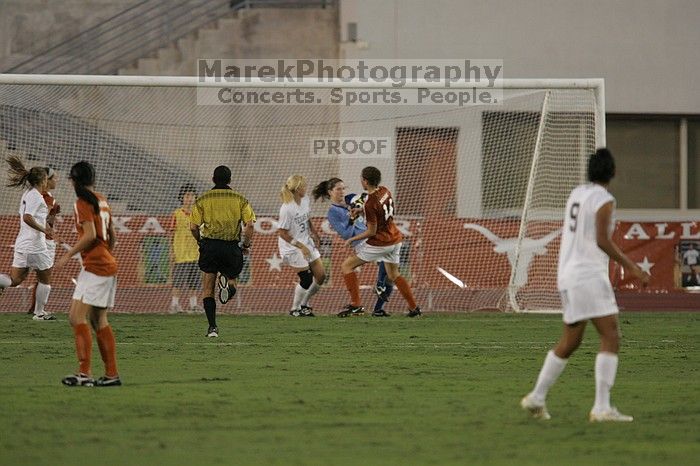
pixel 295 313
pixel 44 316
pixel 380 313
pixel 306 311
pixel 414 312
pixel 213 332
pixel 536 409
pixel 380 290
pixel 78 380
pixel 611 415
pixel 108 382
pixel 225 292
pixel 351 310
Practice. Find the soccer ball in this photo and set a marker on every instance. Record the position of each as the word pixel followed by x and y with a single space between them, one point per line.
pixel 356 201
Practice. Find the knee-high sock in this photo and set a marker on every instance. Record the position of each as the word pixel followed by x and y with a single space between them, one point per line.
pixel 299 294
pixel 108 350
pixel 42 297
pixel 313 289
pixel 551 369
pixel 605 371
pixel 353 286
pixel 406 292
pixel 83 347
pixel 210 310
pixel 5 281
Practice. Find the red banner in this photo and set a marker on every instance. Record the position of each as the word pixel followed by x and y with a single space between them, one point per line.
pixel 476 251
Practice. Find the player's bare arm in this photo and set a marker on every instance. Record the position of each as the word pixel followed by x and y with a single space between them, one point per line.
pixel 112 239
pixel 284 234
pixel 194 229
pixel 606 243
pixel 371 231
pixel 88 238
pixel 29 220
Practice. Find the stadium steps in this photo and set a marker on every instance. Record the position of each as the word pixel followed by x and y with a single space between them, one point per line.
pixel 37 135
pixel 241 34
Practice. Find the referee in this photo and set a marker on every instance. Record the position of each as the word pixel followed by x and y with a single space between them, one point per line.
pixel 215 223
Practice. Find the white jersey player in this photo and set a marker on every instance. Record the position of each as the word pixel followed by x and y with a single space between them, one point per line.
pixel 31 250
pixel 298 244
pixel 585 289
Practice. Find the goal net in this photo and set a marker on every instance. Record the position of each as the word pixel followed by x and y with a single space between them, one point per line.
pixel 479 190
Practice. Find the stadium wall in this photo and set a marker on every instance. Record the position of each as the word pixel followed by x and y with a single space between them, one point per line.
pixel 652 44
pixel 28 27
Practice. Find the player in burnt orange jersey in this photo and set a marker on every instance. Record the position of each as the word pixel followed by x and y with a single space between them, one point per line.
pixel 97 282
pixel 383 245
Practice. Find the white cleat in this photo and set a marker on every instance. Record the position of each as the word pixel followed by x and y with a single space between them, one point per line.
pixel 611 415
pixel 44 316
pixel 537 410
pixel 175 308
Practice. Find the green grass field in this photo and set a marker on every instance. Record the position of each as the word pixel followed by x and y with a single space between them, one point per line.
pixel 443 389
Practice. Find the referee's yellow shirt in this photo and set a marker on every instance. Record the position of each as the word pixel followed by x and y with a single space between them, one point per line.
pixel 219 213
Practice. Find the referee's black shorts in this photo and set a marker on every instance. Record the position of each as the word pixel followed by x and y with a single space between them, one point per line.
pixel 221 256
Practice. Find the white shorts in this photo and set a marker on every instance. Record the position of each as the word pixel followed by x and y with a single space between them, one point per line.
pixel 51 248
pixel 369 253
pixel 95 290
pixel 37 261
pixel 297 260
pixel 590 299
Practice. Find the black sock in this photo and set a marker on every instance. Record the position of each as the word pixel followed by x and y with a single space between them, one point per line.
pixel 210 309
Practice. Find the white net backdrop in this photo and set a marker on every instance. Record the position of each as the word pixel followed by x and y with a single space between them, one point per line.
pixel 462 179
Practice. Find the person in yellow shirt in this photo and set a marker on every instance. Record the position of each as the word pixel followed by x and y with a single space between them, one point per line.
pixel 222 223
pixel 186 274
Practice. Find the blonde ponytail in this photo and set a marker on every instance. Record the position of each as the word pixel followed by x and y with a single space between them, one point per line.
pixel 293 183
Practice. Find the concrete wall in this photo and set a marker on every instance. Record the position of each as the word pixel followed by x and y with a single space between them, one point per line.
pixel 30 26
pixel 647 50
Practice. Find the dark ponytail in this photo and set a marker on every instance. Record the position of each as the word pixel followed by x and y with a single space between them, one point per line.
pixel 83 176
pixel 20 177
pixel 321 190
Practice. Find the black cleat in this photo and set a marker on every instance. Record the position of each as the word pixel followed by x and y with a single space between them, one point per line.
pixel 380 290
pixel 78 380
pixel 351 310
pixel 414 312
pixel 212 332
pixel 295 313
pixel 226 291
pixel 307 311
pixel 380 313
pixel 108 382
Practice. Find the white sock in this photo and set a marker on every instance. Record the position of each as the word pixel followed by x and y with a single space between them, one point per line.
pixel 551 369
pixel 5 281
pixel 193 300
pixel 313 289
pixel 605 371
pixel 299 294
pixel 175 301
pixel 42 297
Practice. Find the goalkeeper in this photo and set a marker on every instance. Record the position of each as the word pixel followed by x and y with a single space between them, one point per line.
pixel 344 216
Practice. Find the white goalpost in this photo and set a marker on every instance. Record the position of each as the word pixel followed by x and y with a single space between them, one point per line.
pixel 479 189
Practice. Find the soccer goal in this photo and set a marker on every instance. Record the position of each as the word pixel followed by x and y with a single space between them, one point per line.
pixel 479 189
